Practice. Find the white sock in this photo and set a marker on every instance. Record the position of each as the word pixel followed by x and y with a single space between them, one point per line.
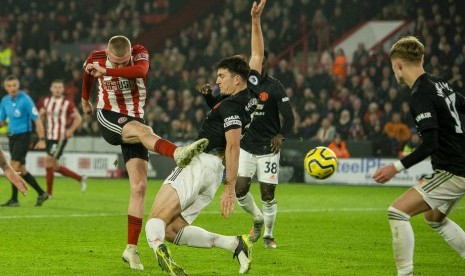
pixel 194 236
pixel 248 204
pixel 270 208
pixel 155 232
pixel 452 234
pixel 402 240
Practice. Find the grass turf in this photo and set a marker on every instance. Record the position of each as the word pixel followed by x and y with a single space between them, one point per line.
pixel 320 230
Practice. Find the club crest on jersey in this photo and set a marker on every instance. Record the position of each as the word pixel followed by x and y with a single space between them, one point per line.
pixel 263 96
pixel 122 120
pixel 253 80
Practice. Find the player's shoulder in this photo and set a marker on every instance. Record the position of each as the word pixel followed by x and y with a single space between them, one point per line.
pixel 139 53
pixel 98 55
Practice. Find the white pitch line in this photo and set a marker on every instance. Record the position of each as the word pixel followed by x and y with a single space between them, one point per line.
pixel 210 212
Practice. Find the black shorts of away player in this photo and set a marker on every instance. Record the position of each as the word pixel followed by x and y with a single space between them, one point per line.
pixel 19 146
pixel 111 125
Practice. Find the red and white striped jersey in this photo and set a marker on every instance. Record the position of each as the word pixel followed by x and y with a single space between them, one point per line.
pixel 122 90
pixel 58 113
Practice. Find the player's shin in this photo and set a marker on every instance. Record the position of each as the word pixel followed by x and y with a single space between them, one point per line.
pixel 155 232
pixel 248 204
pixel 452 234
pixel 402 240
pixel 194 236
pixel 270 209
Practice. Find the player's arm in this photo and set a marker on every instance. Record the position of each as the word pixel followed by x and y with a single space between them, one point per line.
pixel 76 120
pixel 285 109
pixel 231 155
pixel 206 91
pixel 257 55
pixel 11 174
pixel 87 84
pixel 427 147
pixel 40 130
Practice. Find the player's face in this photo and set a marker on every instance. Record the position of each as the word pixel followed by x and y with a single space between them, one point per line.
pixel 57 89
pixel 118 62
pixel 226 81
pixel 12 87
pixel 397 69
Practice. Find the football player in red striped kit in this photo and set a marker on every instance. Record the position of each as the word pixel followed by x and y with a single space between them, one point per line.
pixel 121 70
pixel 61 118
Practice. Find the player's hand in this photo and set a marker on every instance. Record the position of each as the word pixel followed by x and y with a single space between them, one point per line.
pixel 95 70
pixel 87 107
pixel 276 143
pixel 257 8
pixel 15 179
pixel 384 174
pixel 204 89
pixel 228 198
pixel 69 133
pixel 40 145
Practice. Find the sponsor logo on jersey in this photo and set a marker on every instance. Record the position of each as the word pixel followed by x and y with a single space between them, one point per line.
pixel 263 96
pixel 232 120
pixel 423 116
pixel 119 84
pixel 122 120
pixel 253 80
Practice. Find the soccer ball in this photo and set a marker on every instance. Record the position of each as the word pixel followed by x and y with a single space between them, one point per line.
pixel 320 163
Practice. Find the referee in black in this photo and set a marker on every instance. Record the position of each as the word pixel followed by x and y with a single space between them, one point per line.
pixel 260 152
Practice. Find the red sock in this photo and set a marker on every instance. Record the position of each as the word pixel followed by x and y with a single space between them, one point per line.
pixel 49 179
pixel 134 228
pixel 69 173
pixel 164 147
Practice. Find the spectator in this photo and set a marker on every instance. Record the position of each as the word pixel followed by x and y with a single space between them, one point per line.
pixel 380 143
pixel 397 131
pixel 339 147
pixel 325 133
pixel 356 130
pixel 410 145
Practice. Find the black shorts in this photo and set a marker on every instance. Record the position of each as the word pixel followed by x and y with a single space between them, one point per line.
pixel 111 125
pixel 55 148
pixel 19 146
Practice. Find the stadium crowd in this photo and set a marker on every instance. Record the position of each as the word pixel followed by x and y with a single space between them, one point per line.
pixel 358 101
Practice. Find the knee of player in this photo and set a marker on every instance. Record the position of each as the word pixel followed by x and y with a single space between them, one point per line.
pixel 269 201
pixel 396 214
pixel 242 186
pixel 139 187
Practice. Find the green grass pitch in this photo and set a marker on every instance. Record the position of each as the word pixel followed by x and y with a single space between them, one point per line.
pixel 320 230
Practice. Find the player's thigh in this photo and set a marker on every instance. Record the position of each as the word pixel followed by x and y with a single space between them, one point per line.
pixel 111 126
pixel 268 168
pixel 196 184
pixel 411 202
pixel 133 130
pixel 442 190
pixel 19 146
pixel 247 164
pixel 166 205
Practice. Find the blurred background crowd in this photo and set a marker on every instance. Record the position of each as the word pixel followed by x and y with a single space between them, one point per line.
pixel 42 40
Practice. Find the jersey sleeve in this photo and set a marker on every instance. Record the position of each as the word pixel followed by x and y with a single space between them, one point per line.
pixel 87 80
pixel 423 111
pixel 284 107
pixel 31 108
pixel 230 113
pixel 253 82
pixel 138 70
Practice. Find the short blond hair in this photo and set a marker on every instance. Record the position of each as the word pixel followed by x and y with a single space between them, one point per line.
pixel 408 48
pixel 119 45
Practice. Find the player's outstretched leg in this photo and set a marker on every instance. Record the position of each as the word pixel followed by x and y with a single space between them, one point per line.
pixel 131 256
pixel 243 253
pixel 183 155
pixel 83 183
pixel 166 262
